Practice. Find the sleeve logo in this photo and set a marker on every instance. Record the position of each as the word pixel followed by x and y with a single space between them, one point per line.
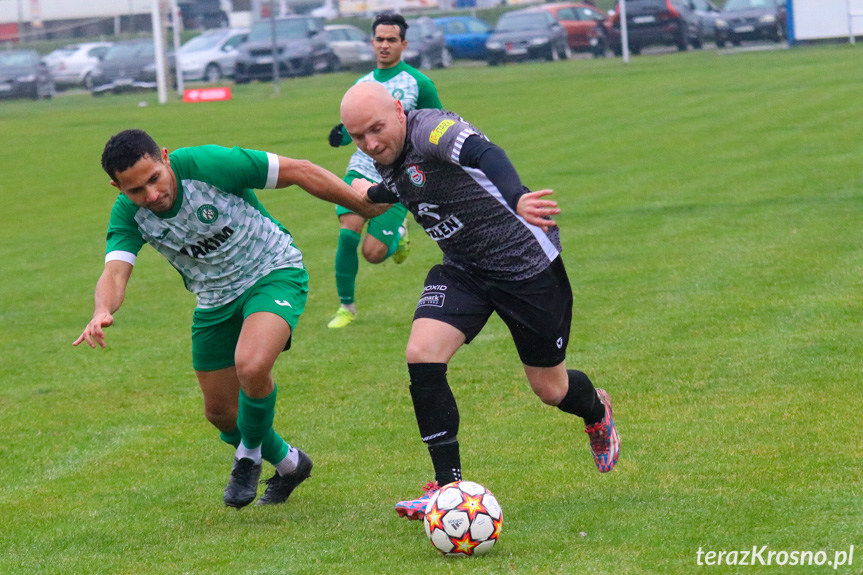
pixel 440 130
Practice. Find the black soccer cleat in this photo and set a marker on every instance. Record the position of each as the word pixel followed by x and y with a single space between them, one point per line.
pixel 280 487
pixel 243 485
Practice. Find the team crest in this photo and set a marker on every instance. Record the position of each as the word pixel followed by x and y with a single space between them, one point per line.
pixel 415 174
pixel 208 213
pixel 399 94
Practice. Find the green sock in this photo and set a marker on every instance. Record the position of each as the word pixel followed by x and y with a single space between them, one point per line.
pixel 347 265
pixel 255 419
pixel 232 437
pixel 274 448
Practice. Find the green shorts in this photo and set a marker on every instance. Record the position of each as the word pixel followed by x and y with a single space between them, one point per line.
pixel 384 227
pixel 215 331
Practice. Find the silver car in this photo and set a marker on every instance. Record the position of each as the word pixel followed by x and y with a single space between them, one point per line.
pixel 73 65
pixel 352 47
pixel 212 55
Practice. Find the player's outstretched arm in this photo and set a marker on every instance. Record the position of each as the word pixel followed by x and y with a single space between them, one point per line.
pixel 110 291
pixel 535 210
pixel 325 185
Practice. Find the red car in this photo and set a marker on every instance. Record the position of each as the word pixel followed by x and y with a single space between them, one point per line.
pixel 584 25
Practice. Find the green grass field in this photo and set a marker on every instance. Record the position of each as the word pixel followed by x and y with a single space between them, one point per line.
pixel 711 229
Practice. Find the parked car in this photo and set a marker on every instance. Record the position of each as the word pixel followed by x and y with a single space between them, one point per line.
pixel 24 75
pixel 126 66
pixel 465 36
pixel 73 65
pixel 584 25
pixel 706 14
pixel 202 14
pixel 530 33
pixel 301 49
pixel 751 20
pixel 656 23
pixel 351 46
pixel 426 45
pixel 212 55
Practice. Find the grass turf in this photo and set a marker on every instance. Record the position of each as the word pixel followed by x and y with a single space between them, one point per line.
pixel 711 232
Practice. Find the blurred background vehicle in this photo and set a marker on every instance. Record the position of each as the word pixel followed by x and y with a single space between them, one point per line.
pixel 584 25
pixel 126 66
pixel 351 46
pixel 705 14
pixel 655 23
pixel 301 49
pixel 426 45
pixel 24 75
pixel 73 65
pixel 202 14
pixel 530 33
pixel 751 20
pixel 212 55
pixel 465 36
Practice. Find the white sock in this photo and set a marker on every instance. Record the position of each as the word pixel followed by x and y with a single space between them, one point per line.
pixel 289 463
pixel 244 452
pixel 351 307
pixel 402 231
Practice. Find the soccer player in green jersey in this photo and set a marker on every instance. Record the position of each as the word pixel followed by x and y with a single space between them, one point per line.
pixel 387 234
pixel 196 207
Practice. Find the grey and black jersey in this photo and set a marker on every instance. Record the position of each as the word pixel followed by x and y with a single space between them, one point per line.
pixel 459 207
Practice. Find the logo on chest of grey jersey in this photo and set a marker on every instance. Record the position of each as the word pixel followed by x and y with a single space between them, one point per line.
pixel 445 229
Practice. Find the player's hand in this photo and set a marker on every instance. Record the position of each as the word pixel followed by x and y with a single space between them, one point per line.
pixel 336 136
pixel 94 332
pixel 537 211
pixel 370 209
pixel 362 186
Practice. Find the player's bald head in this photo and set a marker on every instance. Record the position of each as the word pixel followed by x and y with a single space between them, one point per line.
pixel 375 120
pixel 364 98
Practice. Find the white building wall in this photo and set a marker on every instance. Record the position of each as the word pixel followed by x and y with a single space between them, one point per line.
pixel 822 19
pixel 71 9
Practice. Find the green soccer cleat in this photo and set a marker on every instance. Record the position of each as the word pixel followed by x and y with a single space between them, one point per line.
pixel 343 318
pixel 403 251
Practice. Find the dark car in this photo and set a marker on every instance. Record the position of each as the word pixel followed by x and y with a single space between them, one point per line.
pixel 426 45
pixel 465 36
pixel 198 14
pixel 584 25
pixel 705 16
pixel 751 20
pixel 656 23
pixel 302 49
pixel 126 66
pixel 527 34
pixel 24 75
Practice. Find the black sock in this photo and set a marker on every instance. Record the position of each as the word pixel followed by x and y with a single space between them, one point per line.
pixel 446 460
pixel 581 399
pixel 437 418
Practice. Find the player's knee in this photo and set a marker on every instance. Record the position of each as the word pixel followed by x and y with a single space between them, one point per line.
pixel 374 253
pixel 223 418
pixel 252 370
pixel 418 353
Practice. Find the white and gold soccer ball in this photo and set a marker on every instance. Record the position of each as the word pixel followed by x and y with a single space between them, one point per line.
pixel 463 519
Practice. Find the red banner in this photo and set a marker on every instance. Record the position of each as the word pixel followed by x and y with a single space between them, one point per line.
pixel 207 94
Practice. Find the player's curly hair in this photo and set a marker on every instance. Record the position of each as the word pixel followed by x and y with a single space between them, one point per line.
pixel 391 19
pixel 125 148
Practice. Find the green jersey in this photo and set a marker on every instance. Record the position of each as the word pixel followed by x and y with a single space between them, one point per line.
pixel 412 88
pixel 217 235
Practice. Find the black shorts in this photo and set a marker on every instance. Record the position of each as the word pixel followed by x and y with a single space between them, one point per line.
pixel 538 310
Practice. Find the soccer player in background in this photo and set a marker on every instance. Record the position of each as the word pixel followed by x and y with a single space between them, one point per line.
pixel 196 207
pixel 387 234
pixel 501 253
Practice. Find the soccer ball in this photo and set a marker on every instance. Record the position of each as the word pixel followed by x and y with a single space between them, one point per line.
pixel 463 519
